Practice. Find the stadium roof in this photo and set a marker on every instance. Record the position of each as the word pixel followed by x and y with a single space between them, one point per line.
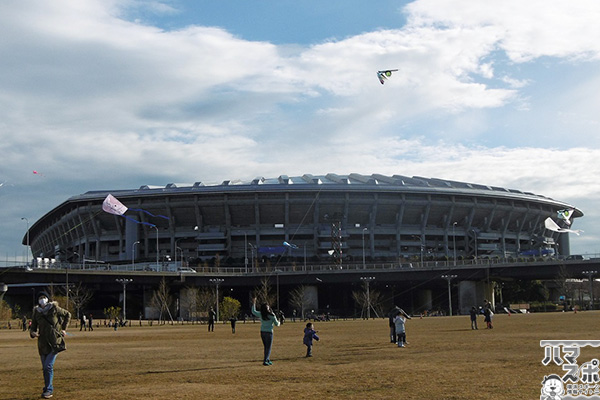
pixel 328 180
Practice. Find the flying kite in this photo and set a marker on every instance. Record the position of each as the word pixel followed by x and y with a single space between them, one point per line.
pixel 385 74
pixel 290 245
pixel 37 173
pixel 113 206
pixel 565 215
pixel 553 226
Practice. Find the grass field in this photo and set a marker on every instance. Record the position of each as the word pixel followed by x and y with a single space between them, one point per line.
pixel 444 359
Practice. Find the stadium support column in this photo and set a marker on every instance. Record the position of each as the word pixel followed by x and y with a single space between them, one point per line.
pixel 424 300
pixel 564 247
pixel 472 293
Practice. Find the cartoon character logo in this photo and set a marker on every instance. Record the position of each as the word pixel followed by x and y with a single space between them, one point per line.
pixel 552 388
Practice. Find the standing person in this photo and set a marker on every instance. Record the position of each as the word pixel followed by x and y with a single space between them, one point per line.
pixel 90 323
pixel 24 323
pixel 49 323
pixel 399 322
pixel 212 315
pixel 233 320
pixel 391 316
pixel 82 322
pixel 267 321
pixel 309 335
pixel 473 313
pixel 488 314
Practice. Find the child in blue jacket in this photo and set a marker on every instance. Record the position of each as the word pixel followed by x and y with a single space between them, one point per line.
pixel 309 335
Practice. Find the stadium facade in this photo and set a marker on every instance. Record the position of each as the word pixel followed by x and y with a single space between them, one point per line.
pixel 326 218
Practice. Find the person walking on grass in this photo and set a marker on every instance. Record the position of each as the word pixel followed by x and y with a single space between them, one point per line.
pixel 49 323
pixel 267 321
pixel 309 335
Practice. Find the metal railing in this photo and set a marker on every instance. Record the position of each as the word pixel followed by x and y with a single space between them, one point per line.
pixel 170 269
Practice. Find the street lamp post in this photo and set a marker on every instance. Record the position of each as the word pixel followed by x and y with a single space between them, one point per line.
pixel 217 282
pixel 252 254
pixel 246 252
pixel 133 254
pixel 26 220
pixel 475 236
pixel 157 266
pixel 176 248
pixel 277 271
pixel 124 282
pixel 449 278
pixel 363 246
pixel 454 240
pixel 590 275
pixel 292 246
pixel 368 280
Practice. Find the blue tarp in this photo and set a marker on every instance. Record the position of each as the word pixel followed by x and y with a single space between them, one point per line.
pixel 272 250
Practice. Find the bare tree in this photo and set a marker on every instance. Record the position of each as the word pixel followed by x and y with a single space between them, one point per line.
pixel 566 284
pixel 368 298
pixel 162 300
pixel 263 293
pixel 205 299
pixel 298 298
pixel 79 296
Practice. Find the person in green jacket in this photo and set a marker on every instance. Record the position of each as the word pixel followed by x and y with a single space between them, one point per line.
pixel 49 323
pixel 267 321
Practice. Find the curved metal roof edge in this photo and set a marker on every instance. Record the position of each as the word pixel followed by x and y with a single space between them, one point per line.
pixel 354 179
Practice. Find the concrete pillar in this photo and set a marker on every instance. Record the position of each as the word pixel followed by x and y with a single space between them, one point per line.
pixel 472 293
pixel 311 299
pixel 424 300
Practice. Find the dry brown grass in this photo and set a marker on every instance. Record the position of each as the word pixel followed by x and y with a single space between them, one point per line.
pixel 445 359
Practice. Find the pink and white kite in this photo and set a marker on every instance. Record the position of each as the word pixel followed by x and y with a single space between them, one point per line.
pixel 113 206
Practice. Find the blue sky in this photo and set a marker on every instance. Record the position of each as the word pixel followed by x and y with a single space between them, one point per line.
pixel 115 94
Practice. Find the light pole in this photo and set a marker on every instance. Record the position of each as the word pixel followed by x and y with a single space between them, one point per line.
pixel 363 243
pixel 368 280
pixel 180 258
pixel 454 240
pixel 246 252
pixel 590 275
pixel 133 254
pixel 124 282
pixel 475 236
pixel 293 246
pixel 27 256
pixel 217 282
pixel 449 278
pixel 157 267
pixel 277 271
pixel 252 254
pixel 176 247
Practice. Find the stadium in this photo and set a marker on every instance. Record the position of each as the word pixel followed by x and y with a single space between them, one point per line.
pixel 331 218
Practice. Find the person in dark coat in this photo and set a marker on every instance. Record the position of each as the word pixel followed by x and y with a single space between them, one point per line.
pixel 309 335
pixel 90 322
pixel 212 316
pixel 49 323
pixel 474 313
